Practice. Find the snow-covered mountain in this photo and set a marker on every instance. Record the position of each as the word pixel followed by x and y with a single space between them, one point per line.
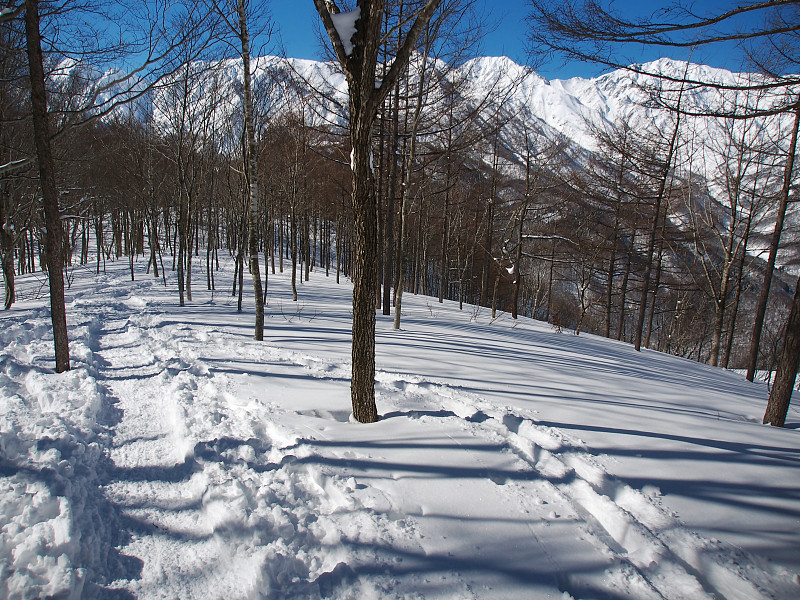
pixel 568 107
pixel 516 96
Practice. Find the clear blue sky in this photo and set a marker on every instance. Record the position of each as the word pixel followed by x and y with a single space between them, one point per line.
pixel 296 21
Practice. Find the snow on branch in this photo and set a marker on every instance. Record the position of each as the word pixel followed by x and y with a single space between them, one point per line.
pixel 14 164
pixel 10 12
pixel 345 24
pixel 549 237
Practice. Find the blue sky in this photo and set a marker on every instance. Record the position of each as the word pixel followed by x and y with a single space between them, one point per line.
pixel 296 21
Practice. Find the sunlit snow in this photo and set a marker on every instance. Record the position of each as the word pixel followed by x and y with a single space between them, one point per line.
pixel 345 24
pixel 181 459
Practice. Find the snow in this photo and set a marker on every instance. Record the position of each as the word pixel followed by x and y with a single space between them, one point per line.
pixel 181 459
pixel 574 106
pixel 345 24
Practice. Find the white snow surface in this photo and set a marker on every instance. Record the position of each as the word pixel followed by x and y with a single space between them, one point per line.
pixel 345 24
pixel 181 459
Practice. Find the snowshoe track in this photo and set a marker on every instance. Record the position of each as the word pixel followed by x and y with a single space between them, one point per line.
pixel 194 500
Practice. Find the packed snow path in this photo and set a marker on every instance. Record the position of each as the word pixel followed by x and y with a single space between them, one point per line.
pixel 181 459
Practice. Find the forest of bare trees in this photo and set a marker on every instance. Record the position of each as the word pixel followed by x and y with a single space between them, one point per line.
pixel 438 188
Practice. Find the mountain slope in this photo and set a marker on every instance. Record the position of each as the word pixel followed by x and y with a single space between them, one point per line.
pixel 568 107
pixel 179 458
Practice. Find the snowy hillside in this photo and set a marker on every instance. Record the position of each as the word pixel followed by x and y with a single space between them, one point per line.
pixel 567 107
pixel 572 107
pixel 181 459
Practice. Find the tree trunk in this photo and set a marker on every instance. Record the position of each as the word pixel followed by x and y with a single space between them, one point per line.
pixel 518 263
pixel 763 299
pixel 358 57
pixel 365 270
pixel 401 271
pixel 252 175
pixel 550 281
pixel 612 259
pixel 7 250
pixel 293 249
pixel 52 213
pixel 407 171
pixel 662 190
pixel 494 293
pixel 8 277
pixel 739 285
pixel 720 304
pixel 389 261
pixel 781 394
pixel 487 256
pixel 188 247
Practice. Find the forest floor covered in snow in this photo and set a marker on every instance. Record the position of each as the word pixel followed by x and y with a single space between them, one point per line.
pixel 180 459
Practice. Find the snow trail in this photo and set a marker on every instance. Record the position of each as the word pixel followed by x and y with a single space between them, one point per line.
pixel 213 493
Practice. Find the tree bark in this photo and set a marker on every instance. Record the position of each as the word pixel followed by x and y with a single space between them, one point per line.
pixel 252 175
pixel 365 272
pixel 389 253
pixel 763 299
pixel 7 243
pixel 781 394
pixel 47 178
pixel 293 248
pixel 358 57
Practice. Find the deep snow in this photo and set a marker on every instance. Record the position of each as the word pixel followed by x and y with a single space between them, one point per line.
pixel 181 459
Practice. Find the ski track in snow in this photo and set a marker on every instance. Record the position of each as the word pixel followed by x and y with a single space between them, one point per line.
pixel 624 522
pixel 181 482
pixel 651 550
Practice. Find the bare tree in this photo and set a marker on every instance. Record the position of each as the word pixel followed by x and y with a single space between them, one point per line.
pixel 52 117
pixel 356 38
pixel 767 33
pixel 592 30
pixel 14 139
pixel 663 191
pixel 780 216
pixel 236 14
pixel 47 177
pixel 781 394
pixel 721 221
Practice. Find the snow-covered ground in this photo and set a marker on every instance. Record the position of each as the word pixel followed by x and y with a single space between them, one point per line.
pixel 180 459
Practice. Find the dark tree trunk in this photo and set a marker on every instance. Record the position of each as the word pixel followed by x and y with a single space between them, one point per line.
pixel 518 262
pixel 487 256
pixel 389 260
pixel 739 285
pixel 366 270
pixel 612 259
pixel 358 57
pixel 662 191
pixel 8 277
pixel 781 394
pixel 763 298
pixel 187 253
pixel 7 250
pixel 294 250
pixel 52 213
